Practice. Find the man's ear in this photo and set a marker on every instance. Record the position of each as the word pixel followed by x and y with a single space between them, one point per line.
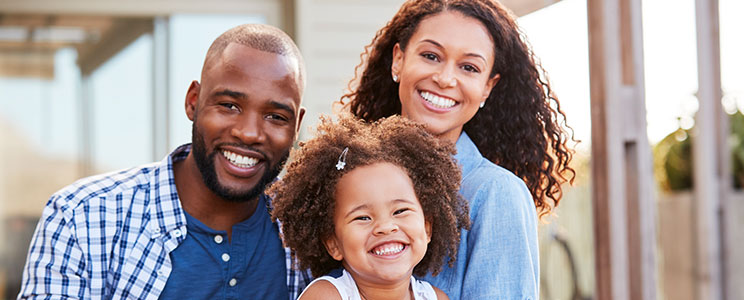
pixel 490 84
pixel 192 97
pixel 331 245
pixel 301 114
pixel 397 60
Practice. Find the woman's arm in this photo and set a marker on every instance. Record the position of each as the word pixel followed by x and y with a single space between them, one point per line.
pixel 502 246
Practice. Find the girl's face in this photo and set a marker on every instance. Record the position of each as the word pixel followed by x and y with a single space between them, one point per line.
pixel 380 230
pixel 444 72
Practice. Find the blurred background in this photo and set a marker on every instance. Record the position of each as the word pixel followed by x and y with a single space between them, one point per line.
pixel 91 86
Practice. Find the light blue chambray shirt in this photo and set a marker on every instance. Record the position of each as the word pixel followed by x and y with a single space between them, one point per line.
pixel 498 257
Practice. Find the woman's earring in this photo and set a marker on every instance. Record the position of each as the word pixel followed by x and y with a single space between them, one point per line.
pixel 395 78
pixel 482 104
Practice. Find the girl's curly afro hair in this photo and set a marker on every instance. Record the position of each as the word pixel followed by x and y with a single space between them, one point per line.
pixel 304 199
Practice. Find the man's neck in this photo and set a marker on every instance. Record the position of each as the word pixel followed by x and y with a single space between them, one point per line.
pixel 204 205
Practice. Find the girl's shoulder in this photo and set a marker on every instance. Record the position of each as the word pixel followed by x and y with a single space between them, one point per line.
pixel 423 290
pixel 338 284
pixel 320 289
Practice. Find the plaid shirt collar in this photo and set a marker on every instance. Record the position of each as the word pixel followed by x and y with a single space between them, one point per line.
pixel 165 202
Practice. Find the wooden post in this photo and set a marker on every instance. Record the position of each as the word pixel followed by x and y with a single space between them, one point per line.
pixel 624 206
pixel 710 155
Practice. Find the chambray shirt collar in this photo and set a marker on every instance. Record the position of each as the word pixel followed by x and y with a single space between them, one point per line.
pixel 468 155
pixel 169 215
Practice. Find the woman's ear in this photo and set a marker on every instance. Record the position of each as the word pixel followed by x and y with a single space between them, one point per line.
pixel 427 225
pixel 397 60
pixel 331 245
pixel 490 84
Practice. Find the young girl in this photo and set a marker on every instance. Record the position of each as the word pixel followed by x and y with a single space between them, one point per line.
pixel 370 205
pixel 464 69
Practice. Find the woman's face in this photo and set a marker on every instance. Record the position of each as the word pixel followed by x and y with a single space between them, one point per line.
pixel 444 72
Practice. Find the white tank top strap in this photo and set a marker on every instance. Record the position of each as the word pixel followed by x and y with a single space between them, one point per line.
pixel 347 288
pixel 422 290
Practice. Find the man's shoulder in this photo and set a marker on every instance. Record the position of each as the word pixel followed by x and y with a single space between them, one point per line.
pixel 102 186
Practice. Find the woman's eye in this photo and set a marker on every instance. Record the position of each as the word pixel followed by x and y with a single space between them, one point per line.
pixel 470 68
pixel 430 56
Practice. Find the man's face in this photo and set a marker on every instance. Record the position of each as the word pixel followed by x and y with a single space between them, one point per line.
pixel 246 113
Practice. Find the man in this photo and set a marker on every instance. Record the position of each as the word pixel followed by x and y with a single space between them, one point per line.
pixel 195 225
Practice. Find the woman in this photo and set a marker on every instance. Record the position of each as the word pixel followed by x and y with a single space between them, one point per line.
pixel 463 69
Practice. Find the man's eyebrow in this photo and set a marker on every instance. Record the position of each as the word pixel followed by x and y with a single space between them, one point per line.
pixel 282 106
pixel 230 93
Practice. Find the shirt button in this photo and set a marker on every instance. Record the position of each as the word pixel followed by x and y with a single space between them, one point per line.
pixel 177 233
pixel 233 282
pixel 225 257
pixel 218 239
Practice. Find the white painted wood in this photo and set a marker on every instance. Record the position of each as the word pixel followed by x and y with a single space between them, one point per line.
pixel 707 157
pixel 160 87
pixel 271 9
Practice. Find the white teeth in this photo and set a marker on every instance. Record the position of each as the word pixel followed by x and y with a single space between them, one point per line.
pixel 437 101
pixel 239 160
pixel 389 249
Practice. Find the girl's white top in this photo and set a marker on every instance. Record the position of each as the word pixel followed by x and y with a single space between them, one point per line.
pixel 348 290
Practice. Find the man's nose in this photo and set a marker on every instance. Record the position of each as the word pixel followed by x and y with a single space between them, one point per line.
pixel 249 129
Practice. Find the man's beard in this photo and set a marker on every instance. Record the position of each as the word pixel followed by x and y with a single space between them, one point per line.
pixel 209 175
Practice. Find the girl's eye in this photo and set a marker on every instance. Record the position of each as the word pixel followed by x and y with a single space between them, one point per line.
pixel 400 211
pixel 430 56
pixel 362 218
pixel 470 68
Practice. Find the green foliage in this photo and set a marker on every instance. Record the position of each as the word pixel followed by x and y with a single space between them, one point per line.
pixel 673 166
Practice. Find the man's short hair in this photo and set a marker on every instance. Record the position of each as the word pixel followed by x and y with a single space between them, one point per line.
pixel 260 37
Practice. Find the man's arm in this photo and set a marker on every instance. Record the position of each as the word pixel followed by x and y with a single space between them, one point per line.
pixel 55 266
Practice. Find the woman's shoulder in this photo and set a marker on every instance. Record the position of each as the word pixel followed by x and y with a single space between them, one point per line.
pixel 492 187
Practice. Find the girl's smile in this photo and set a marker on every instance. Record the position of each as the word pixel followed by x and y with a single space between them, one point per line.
pixel 380 230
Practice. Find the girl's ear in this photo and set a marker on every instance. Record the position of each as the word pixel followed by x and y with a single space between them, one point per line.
pixel 427 225
pixel 490 84
pixel 331 245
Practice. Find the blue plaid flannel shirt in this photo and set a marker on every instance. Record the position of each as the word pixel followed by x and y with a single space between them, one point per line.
pixel 110 236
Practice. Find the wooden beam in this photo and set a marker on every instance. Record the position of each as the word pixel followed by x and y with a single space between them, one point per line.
pixel 34 63
pixel 624 207
pixel 122 33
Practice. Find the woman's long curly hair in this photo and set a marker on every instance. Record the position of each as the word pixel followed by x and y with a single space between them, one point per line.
pixel 522 127
pixel 304 200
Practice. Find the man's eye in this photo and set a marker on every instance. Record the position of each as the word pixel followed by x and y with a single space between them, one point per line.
pixel 229 106
pixel 277 117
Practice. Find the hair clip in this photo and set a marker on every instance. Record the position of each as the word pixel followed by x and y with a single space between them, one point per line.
pixel 342 159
